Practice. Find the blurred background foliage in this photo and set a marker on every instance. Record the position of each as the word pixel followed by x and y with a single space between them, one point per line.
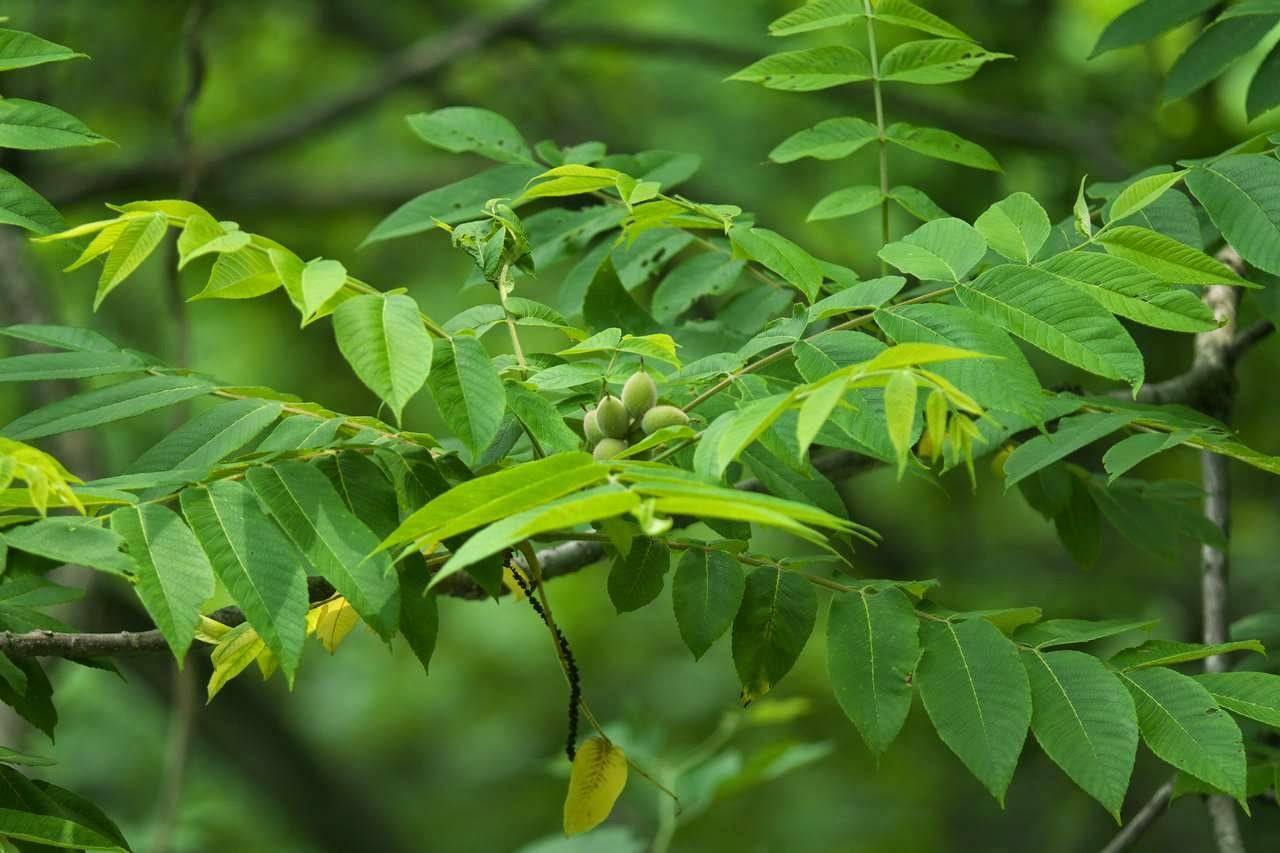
pixel 367 754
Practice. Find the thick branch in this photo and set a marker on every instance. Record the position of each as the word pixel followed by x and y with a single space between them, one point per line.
pixel 417 62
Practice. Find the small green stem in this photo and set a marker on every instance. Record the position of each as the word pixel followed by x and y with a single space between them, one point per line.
pixel 880 126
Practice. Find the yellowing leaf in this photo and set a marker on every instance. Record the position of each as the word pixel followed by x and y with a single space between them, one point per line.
pixel 598 776
pixel 238 648
pixel 331 622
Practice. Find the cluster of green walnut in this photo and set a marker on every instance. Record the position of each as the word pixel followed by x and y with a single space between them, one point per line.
pixel 615 424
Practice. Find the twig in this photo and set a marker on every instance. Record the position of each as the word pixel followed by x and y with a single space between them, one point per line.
pixel 1133 830
pixel 177 752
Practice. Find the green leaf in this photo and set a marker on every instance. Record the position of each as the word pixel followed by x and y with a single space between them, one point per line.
pixel 1147 20
pixel 568 512
pixel 1168 653
pixel 1072 434
pixel 204 235
pixel 608 304
pixel 1016 227
pixel 1125 454
pixel 831 139
pixel 1183 726
pixel 1143 192
pixel 1032 304
pixel 22 50
pixel 1213 51
pixel 1080 212
pixel 105 405
pixel 941 250
pixel 708 274
pixel 904 13
pixel 12 756
pixel 860 296
pixel 459 129
pixel 30 125
pixel 706 593
pixel 1085 721
pixel 1008 384
pixel 41 366
pixel 22 206
pixel 940 145
pixel 135 243
pixel 1068 632
pixel 779 254
pixel 1241 194
pixel 208 438
pixel 935 61
pixel 1264 88
pixel 900 414
pixel 637 578
pixel 1255 695
pixel 382 337
pixel 261 568
pixel 481 500
pixel 846 202
pixel 38 813
pixel 243 274
pixel 976 692
pixel 468 391
pixel 808 70
pixel 1128 290
pixel 817 15
pixel 336 543
pixel 60 337
pixel 773 624
pixel 873 644
pixel 456 202
pixel 917 203
pixel 73 539
pixel 419 617
pixel 1166 258
pixel 540 417
pixel 174 575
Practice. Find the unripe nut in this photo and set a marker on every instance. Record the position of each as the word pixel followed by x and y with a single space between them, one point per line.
pixel 608 448
pixel 611 417
pixel 662 416
pixel 639 394
pixel 591 429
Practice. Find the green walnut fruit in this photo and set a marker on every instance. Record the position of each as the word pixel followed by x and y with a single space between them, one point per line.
pixel 591 429
pixel 662 416
pixel 639 394
pixel 612 418
pixel 608 448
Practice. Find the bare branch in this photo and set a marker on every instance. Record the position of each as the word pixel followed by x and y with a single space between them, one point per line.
pixel 1133 830
pixel 417 62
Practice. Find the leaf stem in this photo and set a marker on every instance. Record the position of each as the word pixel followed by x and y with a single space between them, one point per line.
pixel 880 126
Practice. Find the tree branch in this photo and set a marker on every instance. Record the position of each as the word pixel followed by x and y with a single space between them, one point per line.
pixel 415 63
pixel 1133 830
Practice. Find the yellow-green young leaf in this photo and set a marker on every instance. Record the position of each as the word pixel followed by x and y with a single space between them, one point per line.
pixel 598 775
pixel 204 235
pixel 900 414
pixel 382 337
pixel 1143 192
pixel 1016 227
pixel 459 129
pixel 772 626
pixel 477 502
pixel 914 354
pixel 243 274
pixel 935 420
pixel 102 241
pixel 22 50
pixel 235 650
pixel 1080 211
pixel 582 508
pixel 331 622
pixel 135 242
pixel 941 250
pixel 808 70
pixel 935 61
pixel 816 409
pixel 288 267
pixel 321 281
